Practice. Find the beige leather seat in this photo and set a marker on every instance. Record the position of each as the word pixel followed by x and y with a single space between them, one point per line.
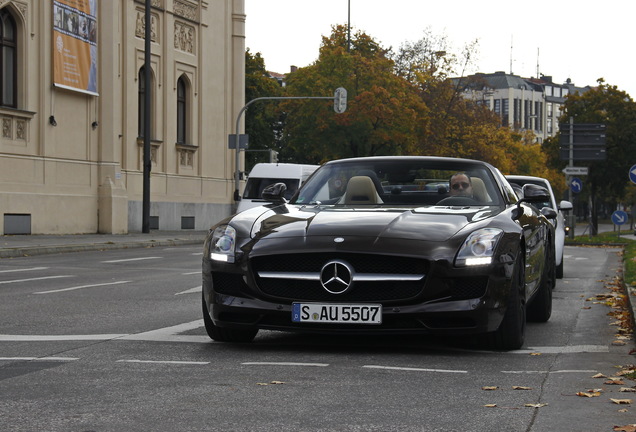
pixel 361 190
pixel 479 190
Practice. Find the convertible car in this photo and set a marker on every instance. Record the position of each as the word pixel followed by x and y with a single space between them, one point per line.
pixel 385 245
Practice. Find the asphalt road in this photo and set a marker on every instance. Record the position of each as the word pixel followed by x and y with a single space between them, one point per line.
pixel 113 341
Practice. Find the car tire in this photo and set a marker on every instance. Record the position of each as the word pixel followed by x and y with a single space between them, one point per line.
pixel 559 270
pixel 221 334
pixel 540 307
pixel 511 332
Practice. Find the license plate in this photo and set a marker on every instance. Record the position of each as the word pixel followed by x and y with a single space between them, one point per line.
pixel 337 313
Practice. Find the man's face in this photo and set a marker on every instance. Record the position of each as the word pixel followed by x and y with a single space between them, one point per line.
pixel 460 186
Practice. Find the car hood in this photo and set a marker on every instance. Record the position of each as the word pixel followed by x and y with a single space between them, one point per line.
pixel 425 223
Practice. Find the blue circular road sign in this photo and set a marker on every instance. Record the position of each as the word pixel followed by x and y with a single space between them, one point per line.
pixel 619 217
pixel 632 173
pixel 576 185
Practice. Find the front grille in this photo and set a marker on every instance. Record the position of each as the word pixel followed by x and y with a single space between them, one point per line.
pixel 363 291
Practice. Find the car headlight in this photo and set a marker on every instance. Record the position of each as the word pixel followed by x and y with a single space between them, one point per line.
pixel 479 247
pixel 222 244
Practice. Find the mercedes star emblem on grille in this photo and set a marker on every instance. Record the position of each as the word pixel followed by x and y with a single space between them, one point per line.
pixel 336 277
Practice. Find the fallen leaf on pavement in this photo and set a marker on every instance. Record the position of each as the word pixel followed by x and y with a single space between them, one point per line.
pixel 521 388
pixel 491 405
pixel 537 405
pixel 489 388
pixel 628 390
pixel 589 394
pixel 599 375
pixel 622 401
pixel 626 428
pixel 614 381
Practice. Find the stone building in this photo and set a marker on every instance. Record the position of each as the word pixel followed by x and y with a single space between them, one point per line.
pixel 71 110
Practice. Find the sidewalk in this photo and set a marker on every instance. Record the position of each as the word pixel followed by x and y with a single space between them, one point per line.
pixel 26 245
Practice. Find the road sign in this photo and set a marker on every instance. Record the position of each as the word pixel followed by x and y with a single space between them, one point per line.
pixel 565 127
pixel 575 170
pixel 619 217
pixel 632 173
pixel 583 138
pixel 576 185
pixel 583 153
pixel 243 141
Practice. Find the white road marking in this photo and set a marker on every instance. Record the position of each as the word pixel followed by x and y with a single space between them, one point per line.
pixel 129 259
pixel 38 358
pixel 191 273
pixel 572 349
pixel 415 369
pixel 284 364
pixel 164 362
pixel 23 270
pixel 549 372
pixel 81 287
pixel 52 338
pixel 191 291
pixel 35 279
pixel 170 334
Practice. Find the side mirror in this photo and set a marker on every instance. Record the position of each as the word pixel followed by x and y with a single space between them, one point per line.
pixel 565 205
pixel 533 193
pixel 549 213
pixel 275 193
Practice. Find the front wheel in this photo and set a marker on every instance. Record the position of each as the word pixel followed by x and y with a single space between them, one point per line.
pixel 221 334
pixel 511 332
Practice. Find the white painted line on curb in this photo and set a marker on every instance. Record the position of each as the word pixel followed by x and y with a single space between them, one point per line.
pixel 81 287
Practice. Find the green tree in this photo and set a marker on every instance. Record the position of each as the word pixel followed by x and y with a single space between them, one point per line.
pixel 381 112
pixel 262 119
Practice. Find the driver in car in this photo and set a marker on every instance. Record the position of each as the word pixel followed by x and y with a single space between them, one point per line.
pixel 461 185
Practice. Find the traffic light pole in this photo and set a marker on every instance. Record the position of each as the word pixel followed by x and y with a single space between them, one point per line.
pixel 340 105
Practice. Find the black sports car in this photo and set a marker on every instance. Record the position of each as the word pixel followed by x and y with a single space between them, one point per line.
pixel 385 245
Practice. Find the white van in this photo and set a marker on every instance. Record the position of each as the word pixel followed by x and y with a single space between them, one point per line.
pixel 265 174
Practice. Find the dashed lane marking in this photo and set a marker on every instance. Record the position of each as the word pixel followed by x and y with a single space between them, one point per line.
pixel 130 259
pixel 35 279
pixel 24 269
pixel 415 369
pixel 81 287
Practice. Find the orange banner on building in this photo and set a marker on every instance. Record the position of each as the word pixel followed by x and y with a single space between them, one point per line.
pixel 75 45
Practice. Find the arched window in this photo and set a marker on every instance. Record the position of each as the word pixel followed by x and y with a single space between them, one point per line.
pixel 182 111
pixel 8 61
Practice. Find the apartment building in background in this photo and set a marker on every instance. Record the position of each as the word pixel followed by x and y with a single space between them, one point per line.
pixel 71 110
pixel 533 104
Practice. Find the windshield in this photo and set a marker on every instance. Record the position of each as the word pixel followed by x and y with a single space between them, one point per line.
pixel 401 182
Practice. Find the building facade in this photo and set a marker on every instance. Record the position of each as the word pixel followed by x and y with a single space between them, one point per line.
pixel 71 149
pixel 533 104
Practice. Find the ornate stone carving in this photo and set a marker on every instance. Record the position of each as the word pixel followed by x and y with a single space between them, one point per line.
pixel 186 9
pixel 6 128
pixel 22 7
pixel 20 130
pixel 140 26
pixel 184 37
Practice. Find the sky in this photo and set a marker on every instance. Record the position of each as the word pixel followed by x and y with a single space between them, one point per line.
pixel 582 40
